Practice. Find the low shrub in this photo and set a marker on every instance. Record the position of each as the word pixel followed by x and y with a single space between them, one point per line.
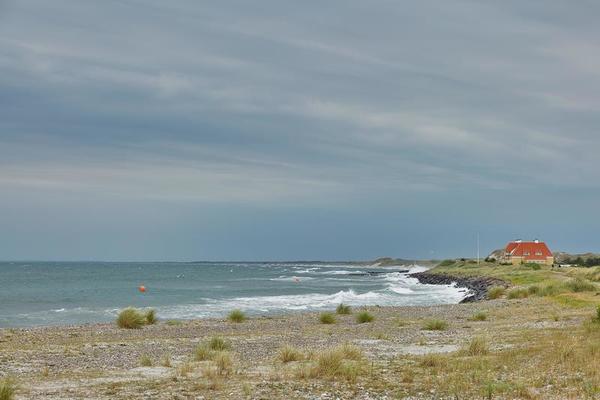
pixel 435 325
pixel 8 387
pixel 130 318
pixel 580 285
pixel 145 361
pixel 327 318
pixel 150 317
pixel 518 293
pixel 236 316
pixel 364 317
pixel 447 263
pixel 288 354
pixel 495 292
pixel 343 309
pixel 597 317
pixel 534 266
pixel 479 316
pixel 476 347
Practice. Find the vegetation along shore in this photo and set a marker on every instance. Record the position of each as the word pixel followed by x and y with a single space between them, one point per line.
pixel 535 334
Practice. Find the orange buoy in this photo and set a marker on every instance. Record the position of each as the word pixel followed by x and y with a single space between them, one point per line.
pixel 142 288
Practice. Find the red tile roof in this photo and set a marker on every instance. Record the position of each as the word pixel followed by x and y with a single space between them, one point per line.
pixel 529 250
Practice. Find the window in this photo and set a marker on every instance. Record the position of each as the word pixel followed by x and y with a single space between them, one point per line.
pixel 538 253
pixel 526 253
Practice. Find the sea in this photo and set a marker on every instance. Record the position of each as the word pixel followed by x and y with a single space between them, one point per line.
pixel 68 293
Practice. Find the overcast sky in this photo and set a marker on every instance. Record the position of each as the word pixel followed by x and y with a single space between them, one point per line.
pixel 229 130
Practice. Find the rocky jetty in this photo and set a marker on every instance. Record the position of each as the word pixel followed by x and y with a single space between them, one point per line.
pixel 478 286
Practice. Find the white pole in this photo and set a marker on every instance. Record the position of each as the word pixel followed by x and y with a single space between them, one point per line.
pixel 477 248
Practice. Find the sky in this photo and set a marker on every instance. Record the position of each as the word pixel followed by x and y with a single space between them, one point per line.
pixel 285 130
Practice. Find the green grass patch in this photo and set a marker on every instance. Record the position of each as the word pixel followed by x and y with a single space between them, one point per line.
pixel 364 317
pixel 343 309
pixel 236 316
pixel 435 325
pixel 569 300
pixel 447 263
pixel 327 318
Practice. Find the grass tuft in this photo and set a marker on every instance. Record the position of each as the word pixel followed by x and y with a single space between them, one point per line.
pixel 433 360
pixel 495 292
pixel 218 344
pixel 145 361
pixel 364 317
pixel 236 316
pixel 327 318
pixel 203 353
pixel 479 316
pixel 223 362
pixel 477 347
pixel 150 317
pixel 130 318
pixel 435 325
pixel 288 354
pixel 518 293
pixel 343 309
pixel 165 361
pixel 8 387
pixel 578 285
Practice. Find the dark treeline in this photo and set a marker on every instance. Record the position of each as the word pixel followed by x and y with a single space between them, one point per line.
pixel 589 262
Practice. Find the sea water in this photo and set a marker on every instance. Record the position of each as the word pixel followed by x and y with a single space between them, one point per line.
pixel 62 293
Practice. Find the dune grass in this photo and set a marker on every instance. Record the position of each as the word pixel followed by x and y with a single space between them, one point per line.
pixel 435 325
pixel 165 361
pixel 8 387
pixel 343 309
pixel 217 343
pixel 479 316
pixel 327 318
pixel 477 347
pixel 223 362
pixel 236 316
pixel 495 292
pixel 131 318
pixel 145 361
pixel 288 354
pixel 518 293
pixel 578 285
pixel 340 362
pixel 150 317
pixel 364 317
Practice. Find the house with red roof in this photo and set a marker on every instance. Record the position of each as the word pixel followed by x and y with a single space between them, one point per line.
pixel 521 252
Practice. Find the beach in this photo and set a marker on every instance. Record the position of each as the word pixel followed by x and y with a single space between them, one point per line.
pixel 102 361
